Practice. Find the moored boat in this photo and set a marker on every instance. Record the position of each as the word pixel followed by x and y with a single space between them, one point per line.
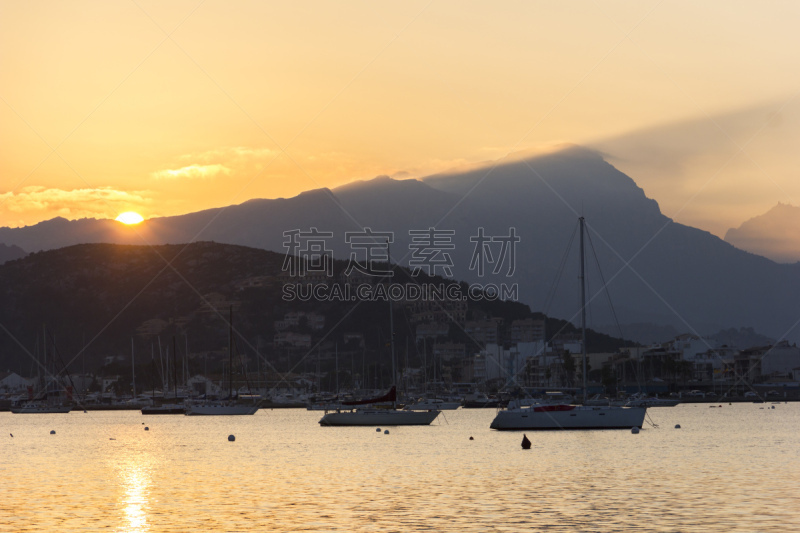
pixel 221 408
pixel 378 417
pixel 364 413
pixel 230 405
pixel 570 416
pixel 564 416
pixel 41 408
pixel 164 409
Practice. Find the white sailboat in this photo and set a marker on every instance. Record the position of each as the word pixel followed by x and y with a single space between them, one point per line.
pixel 372 416
pixel 41 408
pixel 164 405
pixel 230 405
pixel 568 416
pixel 44 403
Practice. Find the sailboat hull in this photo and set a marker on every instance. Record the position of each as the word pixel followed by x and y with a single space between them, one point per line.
pixel 577 417
pixel 221 410
pixel 379 417
pixel 41 409
pixel 165 409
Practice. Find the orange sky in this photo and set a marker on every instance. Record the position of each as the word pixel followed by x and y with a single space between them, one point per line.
pixel 167 108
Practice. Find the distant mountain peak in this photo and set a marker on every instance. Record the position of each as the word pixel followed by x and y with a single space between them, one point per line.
pixel 9 253
pixel 774 234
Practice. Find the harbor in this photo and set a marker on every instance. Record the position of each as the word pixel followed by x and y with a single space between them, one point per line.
pixel 728 469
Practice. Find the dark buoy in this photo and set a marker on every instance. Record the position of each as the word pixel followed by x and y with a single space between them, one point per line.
pixel 386 432
pixel 635 430
pixel 378 430
pixel 526 444
pixel 52 431
pixel 146 428
pixel 231 438
pixel 677 426
pixel 469 438
pixel 12 435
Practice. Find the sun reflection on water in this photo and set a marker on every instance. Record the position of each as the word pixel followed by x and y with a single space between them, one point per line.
pixel 135 478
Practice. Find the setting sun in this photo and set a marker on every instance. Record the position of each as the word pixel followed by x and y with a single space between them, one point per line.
pixel 130 218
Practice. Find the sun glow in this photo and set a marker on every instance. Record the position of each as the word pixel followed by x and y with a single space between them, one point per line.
pixel 130 218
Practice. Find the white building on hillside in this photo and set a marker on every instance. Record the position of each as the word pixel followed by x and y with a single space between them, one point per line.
pixel 11 382
pixel 690 346
pixel 780 360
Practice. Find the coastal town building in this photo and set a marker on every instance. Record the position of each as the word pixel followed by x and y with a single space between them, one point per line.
pixel 484 331
pixel 431 330
pixel 13 382
pixel 527 330
pixel 295 318
pixel 288 338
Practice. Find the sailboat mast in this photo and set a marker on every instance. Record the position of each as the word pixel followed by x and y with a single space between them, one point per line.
pixel 391 323
pixel 133 370
pixel 39 379
pixel 230 353
pixel 175 368
pixel 337 369
pixel 583 314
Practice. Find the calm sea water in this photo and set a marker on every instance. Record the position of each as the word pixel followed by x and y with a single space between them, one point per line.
pixel 734 468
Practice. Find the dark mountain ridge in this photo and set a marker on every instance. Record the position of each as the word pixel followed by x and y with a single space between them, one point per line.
pixel 92 299
pixel 658 271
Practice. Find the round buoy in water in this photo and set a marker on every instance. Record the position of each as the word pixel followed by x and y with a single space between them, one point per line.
pixel 146 428
pixel 773 407
pixel 386 432
pixel 52 431
pixel 378 430
pixel 635 430
pixel 677 426
pixel 471 438
pixel 231 438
